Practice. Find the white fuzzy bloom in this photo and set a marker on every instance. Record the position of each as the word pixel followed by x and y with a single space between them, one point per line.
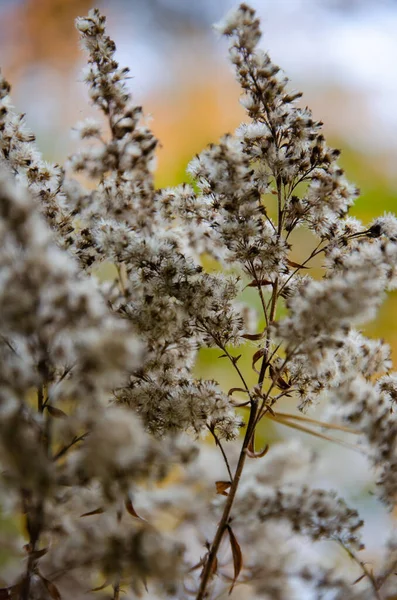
pixel 107 295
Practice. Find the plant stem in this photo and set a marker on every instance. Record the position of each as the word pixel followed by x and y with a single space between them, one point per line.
pixel 116 591
pixel 366 571
pixel 74 441
pixel 223 523
pixel 35 509
pixel 219 444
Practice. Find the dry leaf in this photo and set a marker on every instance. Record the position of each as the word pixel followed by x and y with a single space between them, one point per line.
pixel 197 565
pixel 222 486
pixel 359 579
pixel 232 390
pixel 258 354
pixel 322 436
pixel 278 380
pixel 291 263
pixel 322 424
pixel 96 511
pixel 259 282
pixel 57 413
pixel 38 553
pixel 131 510
pixel 101 587
pixel 52 588
pixel 237 556
pixel 253 336
pixel 251 449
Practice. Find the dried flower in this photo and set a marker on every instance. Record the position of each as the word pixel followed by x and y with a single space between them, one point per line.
pixel 101 411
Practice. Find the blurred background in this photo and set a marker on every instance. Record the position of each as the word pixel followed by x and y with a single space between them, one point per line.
pixel 341 53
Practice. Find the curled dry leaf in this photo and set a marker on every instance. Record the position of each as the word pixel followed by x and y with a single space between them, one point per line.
pixel 251 449
pixel 222 486
pixel 258 354
pixel 236 389
pixel 130 508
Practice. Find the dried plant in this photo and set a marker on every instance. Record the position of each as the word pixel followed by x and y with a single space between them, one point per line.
pixel 101 414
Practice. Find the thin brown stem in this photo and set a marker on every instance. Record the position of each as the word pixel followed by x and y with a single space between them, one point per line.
pixel 229 356
pixel 219 444
pixel 386 574
pixel 265 361
pixel 222 526
pixel 262 299
pixel 368 574
pixel 237 368
pixel 223 523
pixel 65 449
pixel 34 507
pixel 40 398
pixel 317 250
pixel 116 591
pixel 263 408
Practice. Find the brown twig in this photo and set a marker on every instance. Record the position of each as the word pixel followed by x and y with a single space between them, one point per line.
pixel 222 526
pixel 218 443
pixel 367 573
pixel 65 449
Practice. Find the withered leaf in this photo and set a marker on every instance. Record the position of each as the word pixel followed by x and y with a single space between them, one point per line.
pixel 39 553
pixel 222 486
pixel 101 587
pixel 278 380
pixel 259 282
pixel 52 588
pixel 232 390
pixel 57 413
pixel 252 454
pixel 251 448
pixel 253 336
pixel 96 511
pixel 130 508
pixel 295 265
pixel 237 556
pixel 258 354
pixel 360 578
pixel 197 565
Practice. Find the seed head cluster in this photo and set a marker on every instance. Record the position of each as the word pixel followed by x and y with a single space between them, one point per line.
pixel 102 413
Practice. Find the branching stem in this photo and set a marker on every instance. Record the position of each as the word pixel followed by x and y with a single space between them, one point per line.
pixel 222 526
